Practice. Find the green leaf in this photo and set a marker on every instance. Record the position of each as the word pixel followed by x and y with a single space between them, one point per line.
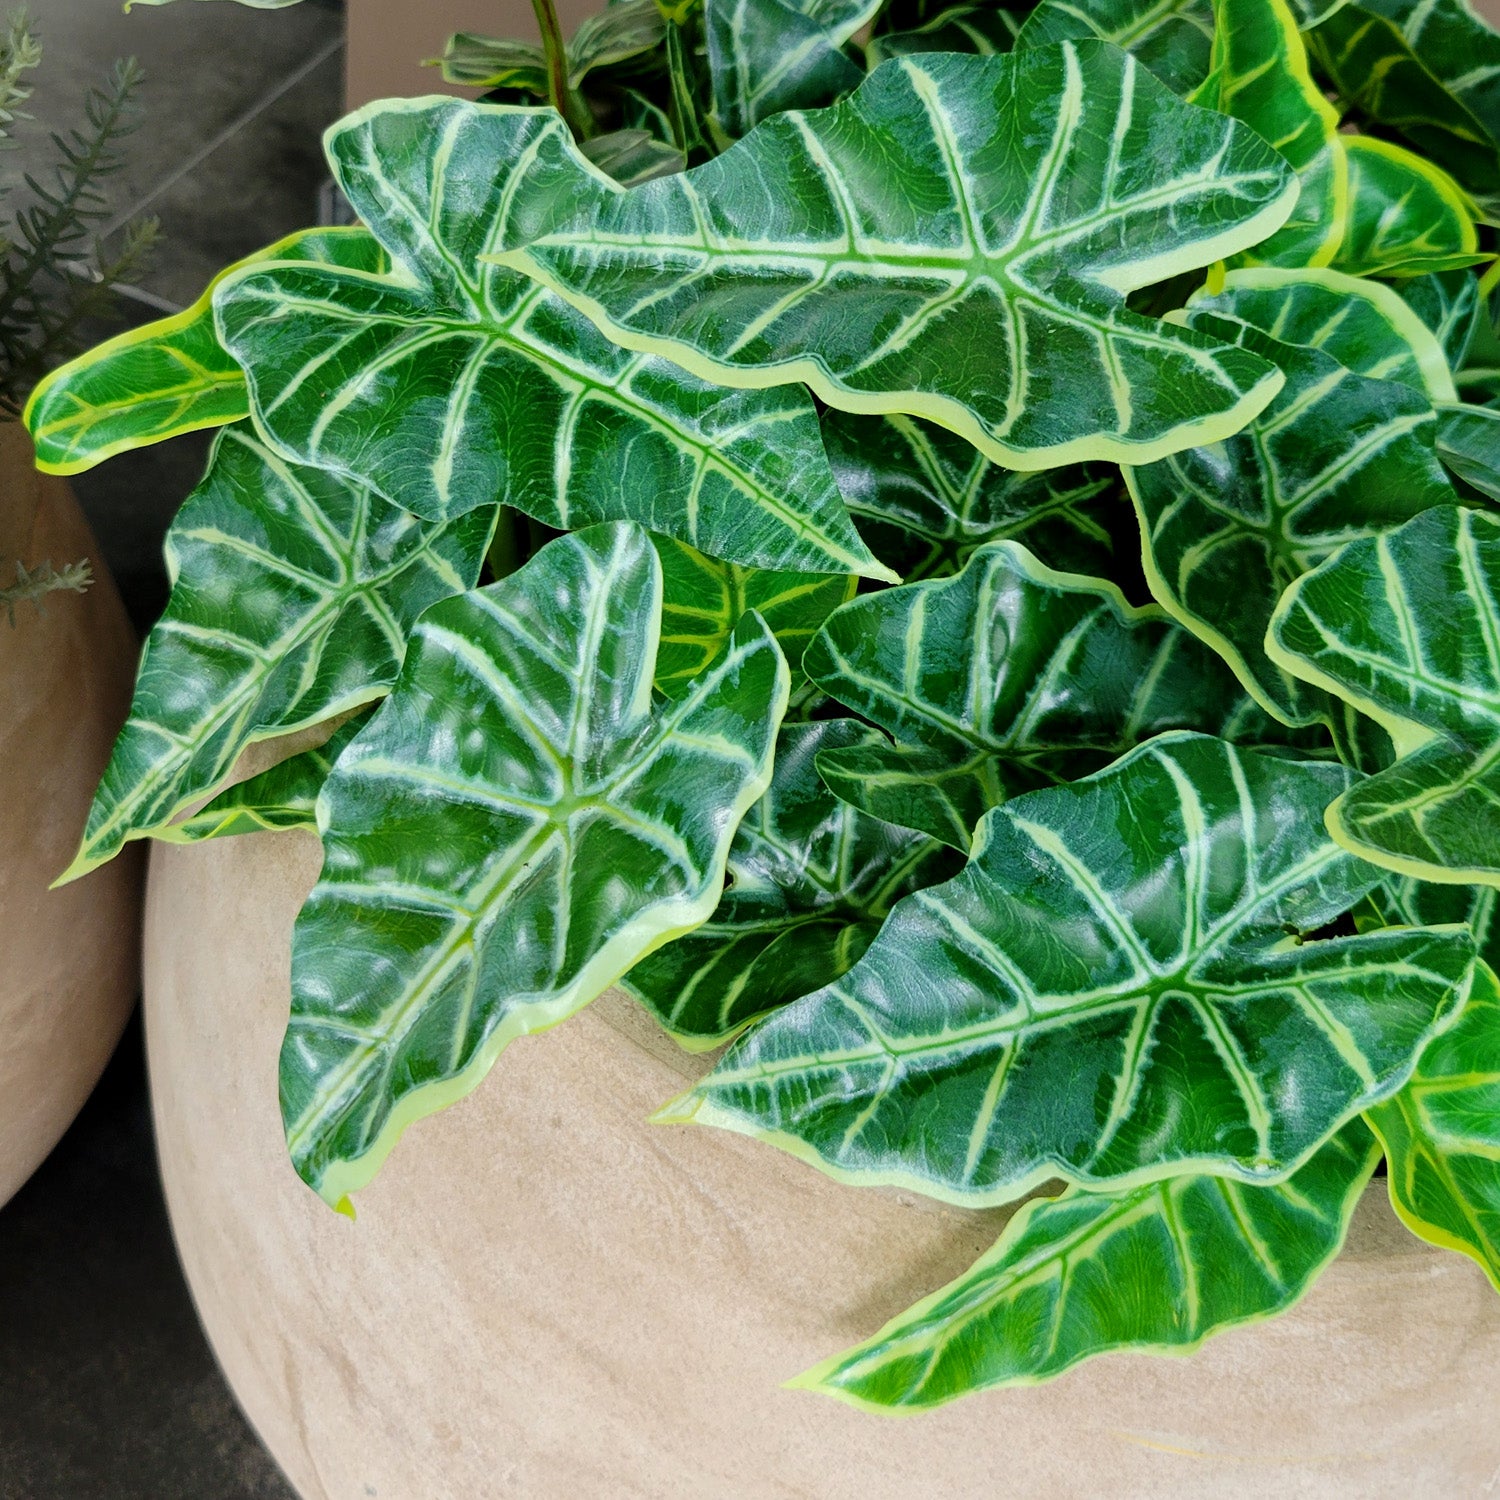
pixel 1150 1269
pixel 1119 987
pixel 951 242
pixel 514 829
pixel 1468 442
pixel 1406 627
pixel 1404 902
pixel 166 378
pixel 1174 40
pixel 1226 528
pixel 926 499
pixel 1441 1135
pixel 766 56
pixel 1365 325
pixel 810 881
pixel 1448 303
pixel 1259 74
pixel 1005 678
pixel 982 30
pixel 704 599
pixel 1406 216
pixel 281 798
pixel 292 594
pixel 447 384
pixel 1374 67
pixel 633 156
pixel 486 62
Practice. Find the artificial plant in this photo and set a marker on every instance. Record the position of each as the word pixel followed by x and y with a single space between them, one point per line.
pixel 948 549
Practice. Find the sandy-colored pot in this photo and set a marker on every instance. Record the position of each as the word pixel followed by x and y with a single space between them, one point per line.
pixel 544 1296
pixel 69 976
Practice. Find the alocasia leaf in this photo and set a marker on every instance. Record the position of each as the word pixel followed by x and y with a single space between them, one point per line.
pixel 1441 1134
pixel 623 30
pixel 810 881
pixel 765 56
pixel 448 383
pixel 1364 324
pixel 1402 901
pixel 166 378
pixel 1468 442
pixel 704 599
pixel 1120 986
pixel 514 829
pixel 1174 39
pixel 1259 74
pixel 953 242
pixel 1006 677
pixel 283 797
pixel 1156 1268
pixel 1226 528
pixel 292 594
pixel 981 29
pixel 926 499
pixel 1406 627
pixel 1407 217
pixel 1448 303
pixel 633 156
pixel 485 62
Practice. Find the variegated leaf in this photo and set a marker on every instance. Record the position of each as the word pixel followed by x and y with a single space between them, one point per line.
pixel 1173 39
pixel 1364 324
pixel 1150 1269
pixel 984 30
pixel 1005 678
pixel 166 378
pixel 861 247
pixel 1121 986
pixel 1441 1135
pixel 292 594
pixel 1226 528
pixel 704 599
pixel 1448 303
pixel 1468 442
pixel 925 499
pixel 1402 901
pixel 623 31
pixel 1406 627
pixel 810 881
pixel 514 829
pixel 448 383
pixel 633 156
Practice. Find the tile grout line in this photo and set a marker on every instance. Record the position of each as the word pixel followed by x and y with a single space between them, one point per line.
pixel 226 134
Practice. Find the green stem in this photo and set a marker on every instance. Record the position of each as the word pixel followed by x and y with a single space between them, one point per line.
pixel 564 100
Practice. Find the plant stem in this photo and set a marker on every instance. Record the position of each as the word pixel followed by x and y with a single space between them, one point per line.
pixel 564 100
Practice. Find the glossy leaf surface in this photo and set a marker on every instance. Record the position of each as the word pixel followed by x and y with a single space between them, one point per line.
pixel 292 595
pixel 1005 678
pixel 514 829
pixel 1406 216
pixel 1406 627
pixel 1441 1135
pixel 1468 442
pixel 166 378
pixel 1448 303
pixel 951 242
pixel 981 29
pixel 810 881
pixel 449 384
pixel 1336 455
pixel 1174 40
pixel 1150 1269
pixel 1117 988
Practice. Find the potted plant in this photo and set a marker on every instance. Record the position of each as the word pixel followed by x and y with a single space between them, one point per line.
pixel 67 652
pixel 946 553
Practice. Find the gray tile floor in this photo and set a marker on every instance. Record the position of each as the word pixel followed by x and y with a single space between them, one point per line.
pixel 107 1388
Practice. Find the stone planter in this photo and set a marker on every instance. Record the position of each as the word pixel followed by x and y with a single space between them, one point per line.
pixel 544 1296
pixel 70 955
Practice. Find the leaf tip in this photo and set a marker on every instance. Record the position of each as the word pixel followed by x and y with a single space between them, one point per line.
pixel 683 1110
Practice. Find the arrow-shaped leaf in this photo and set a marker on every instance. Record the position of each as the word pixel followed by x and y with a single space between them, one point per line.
pixel 953 242
pixel 1406 627
pixel 1150 1269
pixel 1448 303
pixel 1226 528
pixel 1173 39
pixel 976 28
pixel 292 594
pixel 810 881
pixel 1468 442
pixel 1119 987
pixel 1441 1134
pixel 447 384
pixel 513 830
pixel 1002 679
pixel 166 378
pixel 1407 217
pixel 926 499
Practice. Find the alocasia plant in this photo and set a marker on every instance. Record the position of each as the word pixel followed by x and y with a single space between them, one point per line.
pixel 944 545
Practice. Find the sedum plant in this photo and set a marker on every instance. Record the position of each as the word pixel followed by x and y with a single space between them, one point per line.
pixel 953 559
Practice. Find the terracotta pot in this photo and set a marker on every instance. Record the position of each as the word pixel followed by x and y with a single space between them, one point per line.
pixel 70 956
pixel 545 1296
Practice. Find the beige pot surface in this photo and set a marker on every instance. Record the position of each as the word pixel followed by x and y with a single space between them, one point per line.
pixel 69 976
pixel 543 1296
